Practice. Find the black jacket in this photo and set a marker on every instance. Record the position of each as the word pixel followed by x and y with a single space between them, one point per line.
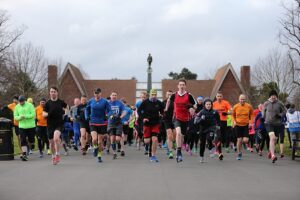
pixel 151 110
pixel 207 120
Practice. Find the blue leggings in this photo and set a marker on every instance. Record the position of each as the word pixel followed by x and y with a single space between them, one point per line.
pixel 76 130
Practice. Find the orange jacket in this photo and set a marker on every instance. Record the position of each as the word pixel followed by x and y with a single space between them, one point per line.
pixel 12 107
pixel 242 114
pixel 41 121
pixel 223 107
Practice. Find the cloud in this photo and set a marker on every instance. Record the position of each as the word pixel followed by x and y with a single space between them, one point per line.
pixel 184 9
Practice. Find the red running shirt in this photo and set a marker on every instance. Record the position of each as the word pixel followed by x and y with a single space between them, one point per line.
pixel 182 103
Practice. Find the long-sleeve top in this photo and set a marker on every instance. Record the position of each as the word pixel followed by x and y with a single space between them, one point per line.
pixel 207 120
pixel 151 110
pixel 25 114
pixel 96 111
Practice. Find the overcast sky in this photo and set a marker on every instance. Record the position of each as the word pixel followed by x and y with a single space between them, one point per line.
pixel 112 38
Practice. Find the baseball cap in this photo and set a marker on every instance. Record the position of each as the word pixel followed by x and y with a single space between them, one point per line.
pixel 200 98
pixel 22 98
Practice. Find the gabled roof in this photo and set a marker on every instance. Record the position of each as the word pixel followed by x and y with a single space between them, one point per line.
pixel 77 76
pixel 221 75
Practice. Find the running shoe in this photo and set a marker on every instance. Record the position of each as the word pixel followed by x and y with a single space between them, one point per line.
pixel 260 153
pixel 239 157
pixel 54 160
pixel 115 156
pixel 118 150
pixel 107 150
pixel 153 159
pixel 179 158
pixel 24 158
pixel 281 155
pixel 99 159
pixel 171 156
pixel 49 152
pixel 201 159
pixel 95 152
pixel 57 158
pixel 66 153
pixel 168 152
pixel 269 155
pixel 221 156
pixel 165 146
pixel 251 150
pixel 122 153
pixel 83 152
pixel 75 147
pixel 274 158
pixel 41 154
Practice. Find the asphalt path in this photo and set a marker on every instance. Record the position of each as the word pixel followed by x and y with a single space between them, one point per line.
pixel 133 177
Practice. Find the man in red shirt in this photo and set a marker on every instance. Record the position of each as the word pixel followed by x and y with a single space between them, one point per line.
pixel 182 102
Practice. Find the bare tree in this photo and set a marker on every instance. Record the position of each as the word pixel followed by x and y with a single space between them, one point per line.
pixel 275 67
pixel 27 70
pixel 289 36
pixel 7 36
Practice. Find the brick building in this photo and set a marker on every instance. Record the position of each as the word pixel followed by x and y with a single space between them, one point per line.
pixel 72 84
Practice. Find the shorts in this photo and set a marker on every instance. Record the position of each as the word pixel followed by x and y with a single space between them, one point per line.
pixel 17 130
pixel 101 130
pixel 114 129
pixel 242 131
pixel 273 128
pixel 51 130
pixel 168 124
pixel 182 124
pixel 150 129
pixel 25 134
pixel 125 129
pixel 85 125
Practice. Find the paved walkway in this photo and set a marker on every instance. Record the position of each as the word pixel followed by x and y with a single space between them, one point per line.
pixel 135 178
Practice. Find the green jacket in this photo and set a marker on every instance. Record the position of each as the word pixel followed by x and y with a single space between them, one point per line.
pixel 27 110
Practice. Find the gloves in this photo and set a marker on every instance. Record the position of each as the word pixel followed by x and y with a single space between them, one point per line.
pixel 203 117
pixel 218 127
pixel 224 113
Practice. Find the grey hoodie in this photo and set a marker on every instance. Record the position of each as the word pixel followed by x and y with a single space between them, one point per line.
pixel 273 112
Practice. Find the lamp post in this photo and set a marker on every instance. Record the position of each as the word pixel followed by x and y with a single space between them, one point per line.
pixel 149 71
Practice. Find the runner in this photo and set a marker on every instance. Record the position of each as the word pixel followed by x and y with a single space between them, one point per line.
pixel 54 111
pixel 139 123
pixel 95 113
pixel 273 112
pixel 75 123
pixel 25 114
pixel 182 102
pixel 192 132
pixel 150 111
pixel 208 121
pixel 83 124
pixel 169 126
pixel 223 107
pixel 125 122
pixel 242 115
pixel 41 128
pixel 114 128
pixel 262 136
pixel 12 107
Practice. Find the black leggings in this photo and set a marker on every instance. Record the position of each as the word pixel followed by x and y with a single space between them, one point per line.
pixel 231 134
pixel 224 136
pixel 193 139
pixel 209 136
pixel 252 140
pixel 41 133
pixel 264 139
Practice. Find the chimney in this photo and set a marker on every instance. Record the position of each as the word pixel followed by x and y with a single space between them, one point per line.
pixel 245 77
pixel 52 76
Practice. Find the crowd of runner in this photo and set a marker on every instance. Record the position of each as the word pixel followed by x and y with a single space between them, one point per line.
pixel 179 123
